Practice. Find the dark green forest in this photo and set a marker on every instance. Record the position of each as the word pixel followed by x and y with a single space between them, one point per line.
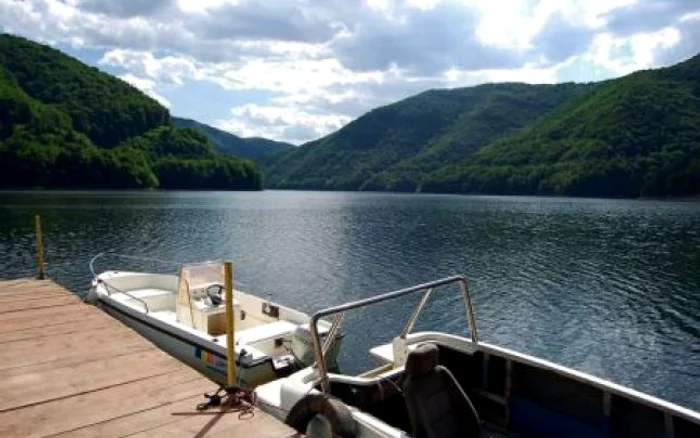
pixel 393 147
pixel 64 124
pixel 636 136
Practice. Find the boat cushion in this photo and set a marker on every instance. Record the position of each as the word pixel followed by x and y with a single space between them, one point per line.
pixel 150 292
pixel 265 332
pixel 156 299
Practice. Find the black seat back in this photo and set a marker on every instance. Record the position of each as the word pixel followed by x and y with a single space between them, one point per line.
pixel 437 405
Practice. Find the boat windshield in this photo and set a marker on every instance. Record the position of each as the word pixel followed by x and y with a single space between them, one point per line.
pixel 426 289
pixel 195 278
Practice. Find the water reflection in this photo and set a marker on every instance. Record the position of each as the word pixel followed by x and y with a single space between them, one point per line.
pixel 608 287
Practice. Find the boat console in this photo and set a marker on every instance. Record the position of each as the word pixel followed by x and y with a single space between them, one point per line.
pixel 206 316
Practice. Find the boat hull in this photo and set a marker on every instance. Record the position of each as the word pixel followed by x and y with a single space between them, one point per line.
pixel 522 394
pixel 201 357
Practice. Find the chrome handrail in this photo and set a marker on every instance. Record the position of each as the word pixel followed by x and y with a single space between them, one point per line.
pixel 131 257
pixel 425 288
pixel 154 259
pixel 330 338
pixel 414 317
pixel 146 259
pixel 92 264
pixel 108 286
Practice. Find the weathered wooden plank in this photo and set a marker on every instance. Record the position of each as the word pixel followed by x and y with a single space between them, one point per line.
pixel 69 368
pixel 221 424
pixel 28 388
pixel 15 281
pixel 13 295
pixel 39 303
pixel 173 419
pixel 56 346
pixel 43 317
pixel 89 322
pixel 144 420
pixel 104 352
pixel 30 287
pixel 103 405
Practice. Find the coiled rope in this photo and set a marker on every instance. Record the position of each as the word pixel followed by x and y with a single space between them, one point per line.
pixel 233 400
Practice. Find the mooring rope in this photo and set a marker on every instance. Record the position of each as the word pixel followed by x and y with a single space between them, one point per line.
pixel 233 400
pixel 241 401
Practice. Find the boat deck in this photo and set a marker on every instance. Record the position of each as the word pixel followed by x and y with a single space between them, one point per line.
pixel 67 368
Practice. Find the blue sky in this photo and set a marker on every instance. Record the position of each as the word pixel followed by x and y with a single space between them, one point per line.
pixel 298 70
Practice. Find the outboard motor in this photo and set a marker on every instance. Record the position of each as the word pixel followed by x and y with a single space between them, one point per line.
pixel 303 347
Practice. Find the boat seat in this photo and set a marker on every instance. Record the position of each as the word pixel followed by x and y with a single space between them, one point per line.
pixel 157 299
pixel 437 406
pixel 265 332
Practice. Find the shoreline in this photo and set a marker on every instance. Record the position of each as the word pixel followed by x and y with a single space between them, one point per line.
pixel 685 199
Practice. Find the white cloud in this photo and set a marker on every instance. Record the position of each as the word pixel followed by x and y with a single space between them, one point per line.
pixel 693 16
pixel 624 55
pixel 170 70
pixel 148 86
pixel 319 63
pixel 644 46
pixel 252 120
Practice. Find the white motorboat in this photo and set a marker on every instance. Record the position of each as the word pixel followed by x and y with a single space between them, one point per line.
pixel 185 315
pixel 433 384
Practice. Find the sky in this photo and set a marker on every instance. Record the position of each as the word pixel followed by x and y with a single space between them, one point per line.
pixel 297 70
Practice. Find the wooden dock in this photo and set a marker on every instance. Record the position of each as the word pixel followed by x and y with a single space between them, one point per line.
pixel 68 369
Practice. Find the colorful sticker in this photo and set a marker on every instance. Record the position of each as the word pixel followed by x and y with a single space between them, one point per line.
pixel 209 358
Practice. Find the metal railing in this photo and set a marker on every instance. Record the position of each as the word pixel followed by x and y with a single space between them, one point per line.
pixel 130 257
pixel 111 288
pixel 426 288
pixel 109 292
pixel 157 261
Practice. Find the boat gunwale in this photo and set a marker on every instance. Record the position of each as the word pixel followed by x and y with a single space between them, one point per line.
pixel 467 346
pixel 667 407
pixel 182 335
pixel 597 382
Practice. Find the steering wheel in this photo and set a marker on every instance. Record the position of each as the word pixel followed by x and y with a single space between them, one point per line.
pixel 214 292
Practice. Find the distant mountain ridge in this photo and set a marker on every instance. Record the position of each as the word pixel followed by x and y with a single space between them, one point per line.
pixel 252 148
pixel 393 147
pixel 636 136
pixel 64 124
pixel 628 137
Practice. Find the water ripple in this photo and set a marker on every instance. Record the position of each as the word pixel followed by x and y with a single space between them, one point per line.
pixel 607 287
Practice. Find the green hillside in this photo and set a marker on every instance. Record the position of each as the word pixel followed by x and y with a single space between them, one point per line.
pixel 634 136
pixel 65 124
pixel 252 148
pixel 394 147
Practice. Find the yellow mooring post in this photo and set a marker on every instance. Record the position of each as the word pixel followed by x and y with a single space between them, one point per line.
pixel 39 247
pixel 228 285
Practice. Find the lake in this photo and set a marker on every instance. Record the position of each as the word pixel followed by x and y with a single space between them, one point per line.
pixel 609 287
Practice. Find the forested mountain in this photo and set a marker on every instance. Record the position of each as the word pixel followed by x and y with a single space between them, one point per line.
pixel 634 136
pixel 252 148
pixel 65 124
pixel 393 147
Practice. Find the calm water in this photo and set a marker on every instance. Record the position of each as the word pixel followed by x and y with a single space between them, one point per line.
pixel 607 287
